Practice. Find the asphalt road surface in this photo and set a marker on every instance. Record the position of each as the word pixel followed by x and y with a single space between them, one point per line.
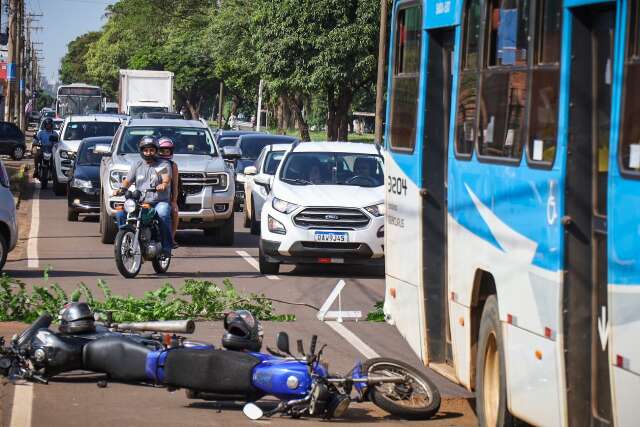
pixel 73 253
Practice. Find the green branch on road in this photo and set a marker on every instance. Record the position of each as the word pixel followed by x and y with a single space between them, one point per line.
pixel 197 299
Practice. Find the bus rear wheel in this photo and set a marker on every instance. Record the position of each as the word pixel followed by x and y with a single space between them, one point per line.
pixel 491 383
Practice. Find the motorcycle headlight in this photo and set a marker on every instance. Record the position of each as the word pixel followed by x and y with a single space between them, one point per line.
pixel 283 206
pixel 376 210
pixel 129 206
pixel 81 183
pixel 115 179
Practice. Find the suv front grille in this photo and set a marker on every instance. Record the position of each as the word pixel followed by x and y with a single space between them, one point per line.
pixel 194 182
pixel 332 218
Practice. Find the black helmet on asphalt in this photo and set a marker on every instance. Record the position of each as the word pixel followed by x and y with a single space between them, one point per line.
pixel 75 318
pixel 243 332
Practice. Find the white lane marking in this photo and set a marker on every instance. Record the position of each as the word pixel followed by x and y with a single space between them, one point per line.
pixel 32 246
pixel 22 405
pixel 253 263
pixel 353 339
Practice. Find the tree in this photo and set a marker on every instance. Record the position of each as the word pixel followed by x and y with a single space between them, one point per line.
pixel 73 66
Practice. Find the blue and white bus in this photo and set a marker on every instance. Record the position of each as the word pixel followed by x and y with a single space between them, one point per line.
pixel 513 207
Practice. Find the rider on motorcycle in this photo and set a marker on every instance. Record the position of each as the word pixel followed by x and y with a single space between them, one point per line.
pixel 151 172
pixel 42 137
pixel 166 153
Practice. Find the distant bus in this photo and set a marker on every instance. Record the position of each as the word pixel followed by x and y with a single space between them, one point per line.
pixel 512 235
pixel 78 99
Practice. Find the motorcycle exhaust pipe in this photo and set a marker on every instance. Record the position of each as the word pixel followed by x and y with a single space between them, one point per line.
pixel 167 326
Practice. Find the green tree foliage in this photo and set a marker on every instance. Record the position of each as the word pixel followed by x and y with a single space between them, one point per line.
pixel 73 68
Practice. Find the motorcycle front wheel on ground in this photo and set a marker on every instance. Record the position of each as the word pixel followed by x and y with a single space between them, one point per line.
pixel 127 261
pixel 417 398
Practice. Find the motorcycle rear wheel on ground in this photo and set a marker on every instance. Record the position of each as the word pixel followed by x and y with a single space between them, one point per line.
pixel 415 399
pixel 128 262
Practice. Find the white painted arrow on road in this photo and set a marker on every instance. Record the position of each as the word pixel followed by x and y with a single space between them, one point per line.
pixel 603 328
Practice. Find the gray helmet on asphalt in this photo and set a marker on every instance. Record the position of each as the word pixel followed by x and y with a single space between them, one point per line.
pixel 76 318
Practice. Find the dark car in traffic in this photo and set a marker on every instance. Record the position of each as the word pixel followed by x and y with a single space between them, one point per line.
pixel 12 141
pixel 250 146
pixel 83 189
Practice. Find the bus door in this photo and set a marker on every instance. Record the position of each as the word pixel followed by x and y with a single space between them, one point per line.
pixel 434 194
pixel 585 220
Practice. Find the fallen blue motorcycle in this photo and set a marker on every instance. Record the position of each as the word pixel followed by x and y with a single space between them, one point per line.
pixel 302 383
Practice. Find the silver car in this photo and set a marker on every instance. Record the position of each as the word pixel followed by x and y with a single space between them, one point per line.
pixel 207 179
pixel 8 222
pixel 267 164
pixel 74 130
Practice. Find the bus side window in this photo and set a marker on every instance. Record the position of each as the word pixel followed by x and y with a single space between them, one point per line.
pixel 406 78
pixel 505 76
pixel 545 85
pixel 466 114
pixel 630 132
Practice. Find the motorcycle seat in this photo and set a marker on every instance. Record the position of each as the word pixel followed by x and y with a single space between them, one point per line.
pixel 121 358
pixel 214 371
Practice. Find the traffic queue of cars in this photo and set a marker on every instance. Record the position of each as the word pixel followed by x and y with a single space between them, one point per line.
pixel 310 202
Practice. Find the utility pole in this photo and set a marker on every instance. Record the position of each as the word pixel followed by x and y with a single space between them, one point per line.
pixel 259 118
pixel 20 69
pixel 221 104
pixel 11 60
pixel 382 53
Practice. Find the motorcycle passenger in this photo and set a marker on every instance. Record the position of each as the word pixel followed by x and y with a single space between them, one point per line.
pixel 151 172
pixel 43 137
pixel 166 153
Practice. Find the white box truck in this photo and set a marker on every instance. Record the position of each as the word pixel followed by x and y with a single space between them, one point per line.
pixel 145 91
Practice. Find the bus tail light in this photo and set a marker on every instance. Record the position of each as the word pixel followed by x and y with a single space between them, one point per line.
pixel 392 292
pixel 548 332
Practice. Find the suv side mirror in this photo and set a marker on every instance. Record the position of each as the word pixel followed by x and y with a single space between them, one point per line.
pixel 282 341
pixel 102 149
pixel 250 170
pixel 231 153
pixel 264 180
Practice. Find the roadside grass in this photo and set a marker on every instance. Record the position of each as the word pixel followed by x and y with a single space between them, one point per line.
pixel 196 299
pixel 18 178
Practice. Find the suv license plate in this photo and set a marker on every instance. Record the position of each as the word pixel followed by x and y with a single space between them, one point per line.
pixel 331 237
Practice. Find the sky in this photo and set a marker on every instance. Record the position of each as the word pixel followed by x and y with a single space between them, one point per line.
pixel 62 22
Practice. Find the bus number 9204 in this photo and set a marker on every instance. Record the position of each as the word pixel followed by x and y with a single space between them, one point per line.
pixel 397 185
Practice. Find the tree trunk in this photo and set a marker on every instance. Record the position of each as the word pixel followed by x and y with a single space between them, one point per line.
pixel 235 103
pixel 279 116
pixel 194 108
pixel 296 107
pixel 342 114
pixel 286 114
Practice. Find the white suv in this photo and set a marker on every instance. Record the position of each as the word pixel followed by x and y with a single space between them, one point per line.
pixel 325 206
pixel 73 131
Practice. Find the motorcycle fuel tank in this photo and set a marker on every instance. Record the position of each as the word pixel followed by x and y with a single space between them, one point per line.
pixel 283 378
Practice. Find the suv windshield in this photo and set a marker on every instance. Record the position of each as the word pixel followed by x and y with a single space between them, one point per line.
pixel 362 170
pixel 87 155
pixel 81 130
pixel 185 140
pixel 272 162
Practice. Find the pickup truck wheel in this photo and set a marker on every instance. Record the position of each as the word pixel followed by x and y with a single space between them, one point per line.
pixel 255 224
pixel 267 267
pixel 226 233
pixel 58 188
pixel 4 248
pixel 108 229
pixel 72 215
pixel 18 153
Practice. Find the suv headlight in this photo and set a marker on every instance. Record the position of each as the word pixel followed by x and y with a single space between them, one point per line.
pixel 283 206
pixel 222 181
pixel 69 155
pixel 115 179
pixel 81 183
pixel 376 210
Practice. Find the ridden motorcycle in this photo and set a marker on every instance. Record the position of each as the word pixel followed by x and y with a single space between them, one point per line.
pixel 302 384
pixel 45 165
pixel 139 239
